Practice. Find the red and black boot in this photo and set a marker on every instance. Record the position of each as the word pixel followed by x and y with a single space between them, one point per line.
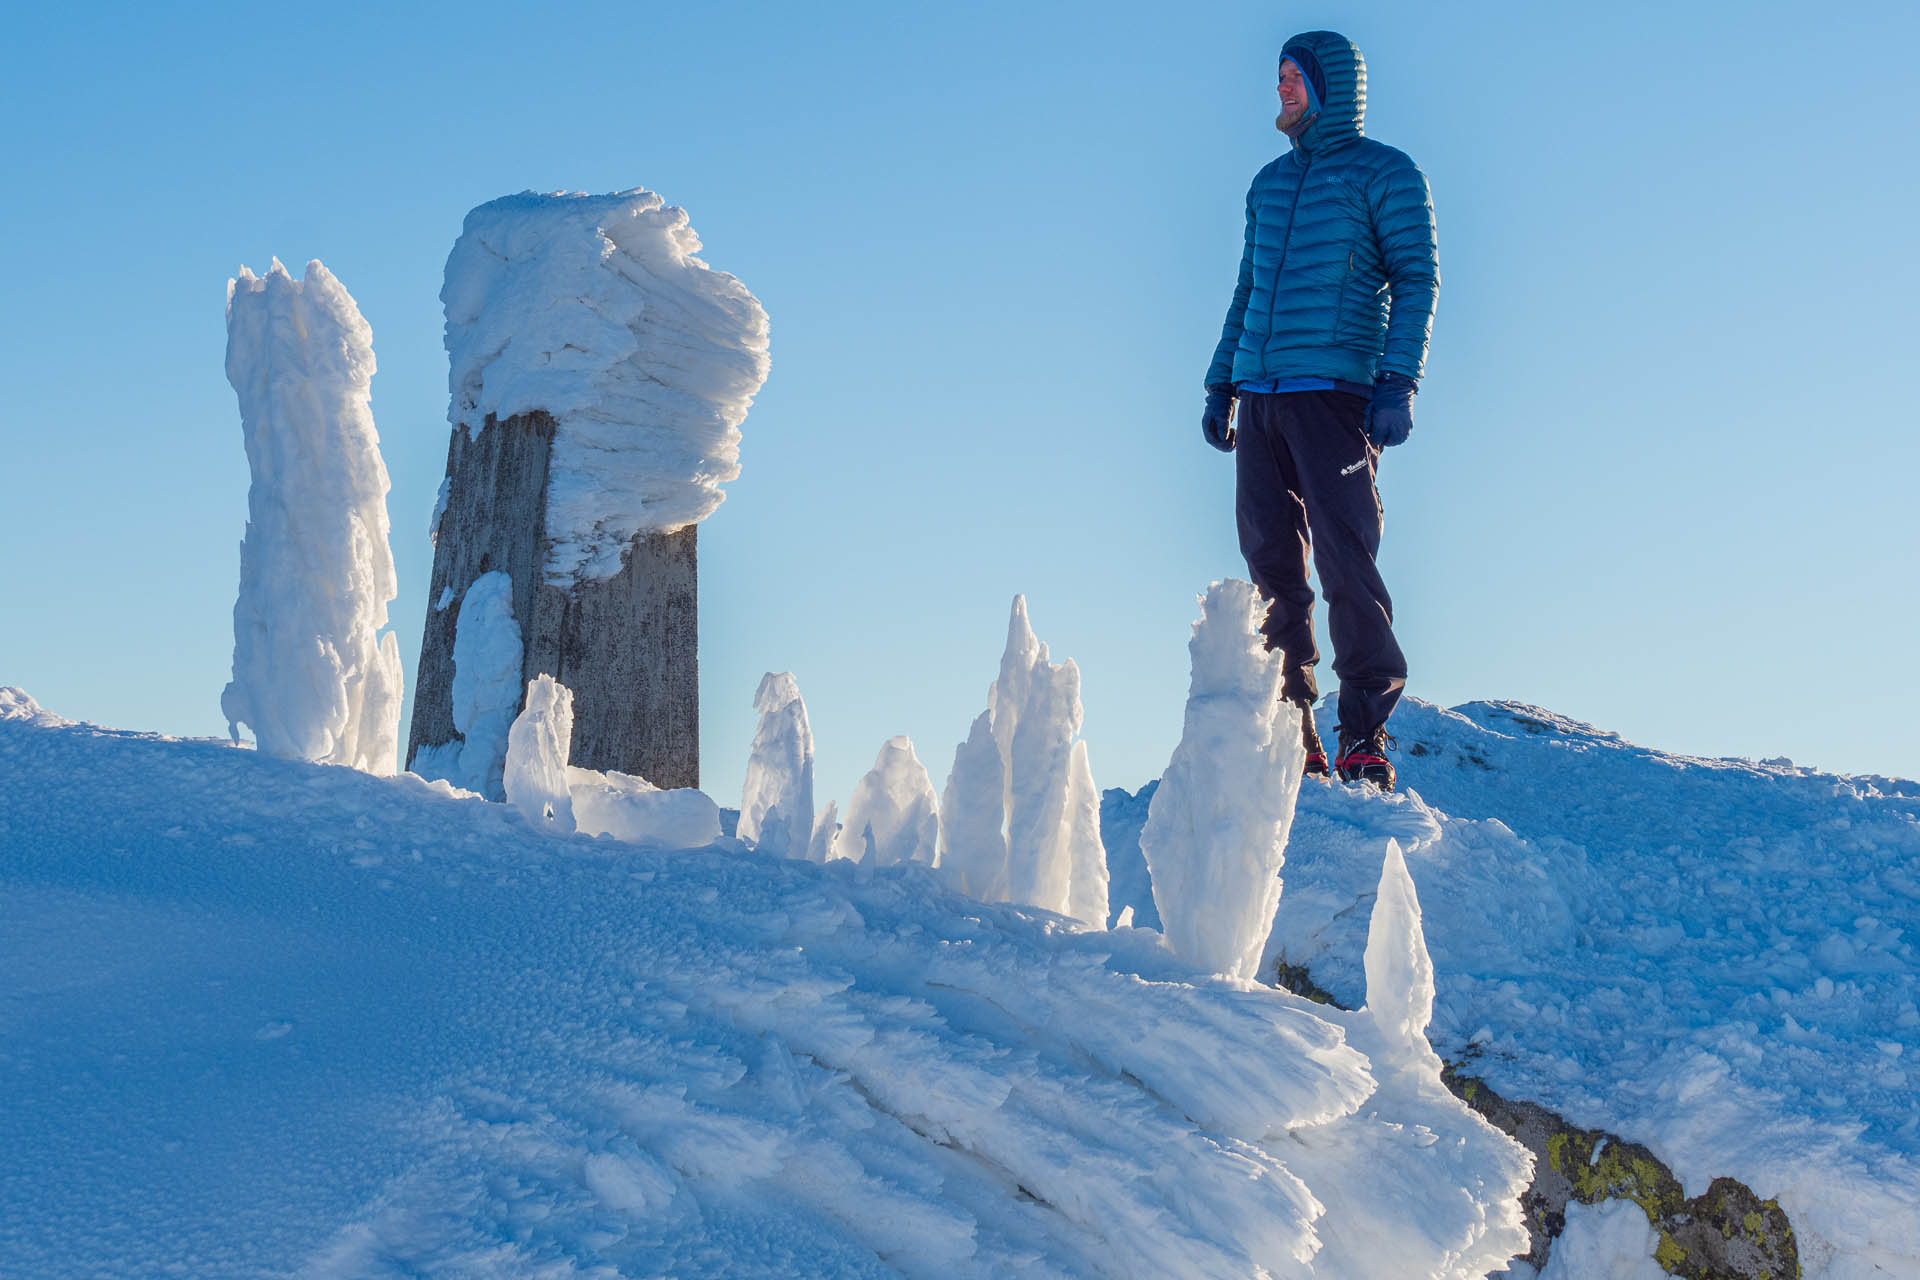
pixel 1310 739
pixel 1363 758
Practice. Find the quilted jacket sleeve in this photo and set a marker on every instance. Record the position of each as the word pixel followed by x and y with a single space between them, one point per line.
pixel 1220 372
pixel 1403 228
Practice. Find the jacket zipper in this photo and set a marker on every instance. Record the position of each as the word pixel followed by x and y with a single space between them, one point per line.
pixel 1286 244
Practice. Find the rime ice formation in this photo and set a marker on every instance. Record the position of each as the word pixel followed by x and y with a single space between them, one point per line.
pixel 893 816
pixel 1051 853
pixel 595 310
pixel 633 809
pixel 1399 970
pixel 1086 853
pixel 1216 830
pixel 312 675
pixel 536 781
pixel 776 802
pixel 487 654
pixel 973 843
pixel 826 829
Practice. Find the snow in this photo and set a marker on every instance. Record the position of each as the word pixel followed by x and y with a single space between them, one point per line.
pixel 776 801
pixel 893 817
pixel 487 657
pixel 633 809
pixel 595 310
pixel 313 676
pixel 1122 815
pixel 1216 830
pixel 269 1018
pixel 973 839
pixel 1033 835
pixel 1612 1240
pixel 1715 958
pixel 538 745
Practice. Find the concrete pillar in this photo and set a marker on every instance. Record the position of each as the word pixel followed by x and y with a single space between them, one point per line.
pixel 627 645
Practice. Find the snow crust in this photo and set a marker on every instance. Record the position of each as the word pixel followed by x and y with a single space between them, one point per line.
pixel 1025 824
pixel 776 800
pixel 1216 830
pixel 595 310
pixel 265 1018
pixel 1715 958
pixel 313 676
pixel 893 817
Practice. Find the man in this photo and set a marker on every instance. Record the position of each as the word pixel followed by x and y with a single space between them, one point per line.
pixel 1323 347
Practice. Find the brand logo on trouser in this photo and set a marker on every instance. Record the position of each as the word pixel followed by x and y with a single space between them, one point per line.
pixel 1347 471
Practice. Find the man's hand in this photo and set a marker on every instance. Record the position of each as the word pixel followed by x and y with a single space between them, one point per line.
pixel 1390 413
pixel 1216 422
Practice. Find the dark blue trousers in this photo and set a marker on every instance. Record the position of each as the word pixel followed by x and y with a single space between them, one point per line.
pixel 1304 484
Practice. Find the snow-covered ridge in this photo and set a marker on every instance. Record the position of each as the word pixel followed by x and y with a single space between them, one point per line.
pixel 595 310
pixel 1715 958
pixel 270 1017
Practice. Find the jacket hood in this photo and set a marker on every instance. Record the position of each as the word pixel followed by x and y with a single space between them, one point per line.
pixel 1343 73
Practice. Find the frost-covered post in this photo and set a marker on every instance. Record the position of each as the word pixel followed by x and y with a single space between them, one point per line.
pixel 600 373
pixel 312 674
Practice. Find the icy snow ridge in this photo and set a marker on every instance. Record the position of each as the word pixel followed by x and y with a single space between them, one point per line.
pixel 595 310
pixel 312 675
pixel 265 1019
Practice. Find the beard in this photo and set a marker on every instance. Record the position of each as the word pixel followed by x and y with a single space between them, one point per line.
pixel 1288 120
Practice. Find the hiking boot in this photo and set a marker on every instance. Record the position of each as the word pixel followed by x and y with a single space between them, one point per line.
pixel 1363 758
pixel 1316 766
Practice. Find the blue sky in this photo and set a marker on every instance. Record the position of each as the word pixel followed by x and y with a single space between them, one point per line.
pixel 1662 461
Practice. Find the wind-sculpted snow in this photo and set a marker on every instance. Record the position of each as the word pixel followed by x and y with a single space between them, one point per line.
pixel 538 746
pixel 595 310
pixel 1032 836
pixel 1715 958
pixel 776 801
pixel 893 817
pixel 1216 831
pixel 312 675
pixel 271 1018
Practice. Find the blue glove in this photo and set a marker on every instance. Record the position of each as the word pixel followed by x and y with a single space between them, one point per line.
pixel 1390 413
pixel 1216 421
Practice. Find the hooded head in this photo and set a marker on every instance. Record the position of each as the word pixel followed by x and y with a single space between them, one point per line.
pixel 1336 82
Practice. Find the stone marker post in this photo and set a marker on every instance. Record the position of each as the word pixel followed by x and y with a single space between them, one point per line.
pixel 600 372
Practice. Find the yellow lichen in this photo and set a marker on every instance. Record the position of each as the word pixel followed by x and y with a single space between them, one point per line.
pixel 1670 1255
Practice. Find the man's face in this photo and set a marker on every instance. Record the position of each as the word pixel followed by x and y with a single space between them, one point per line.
pixel 1293 96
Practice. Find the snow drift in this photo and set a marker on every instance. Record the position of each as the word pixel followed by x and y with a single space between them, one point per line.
pixel 595 310
pixel 312 675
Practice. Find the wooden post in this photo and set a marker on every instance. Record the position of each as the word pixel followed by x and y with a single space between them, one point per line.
pixel 627 645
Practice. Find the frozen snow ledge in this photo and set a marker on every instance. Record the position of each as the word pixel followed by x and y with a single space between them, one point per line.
pixel 507 1051
pixel 595 310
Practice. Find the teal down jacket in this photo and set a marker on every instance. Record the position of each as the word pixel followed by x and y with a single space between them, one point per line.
pixel 1341 269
